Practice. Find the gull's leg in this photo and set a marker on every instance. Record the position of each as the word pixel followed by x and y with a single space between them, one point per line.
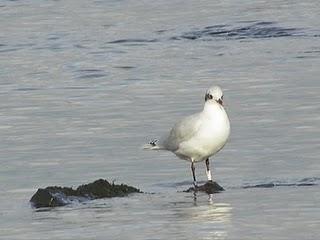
pixel 208 172
pixel 194 175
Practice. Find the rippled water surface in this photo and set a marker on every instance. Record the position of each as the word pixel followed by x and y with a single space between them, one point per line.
pixel 85 83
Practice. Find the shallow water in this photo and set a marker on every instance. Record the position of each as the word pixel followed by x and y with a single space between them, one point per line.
pixel 85 83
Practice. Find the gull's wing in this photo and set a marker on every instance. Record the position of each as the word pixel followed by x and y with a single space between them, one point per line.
pixel 182 131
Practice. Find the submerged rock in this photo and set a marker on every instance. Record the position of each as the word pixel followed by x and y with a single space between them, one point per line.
pixel 54 196
pixel 209 187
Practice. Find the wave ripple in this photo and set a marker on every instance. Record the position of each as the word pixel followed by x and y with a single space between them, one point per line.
pixel 251 31
pixel 312 181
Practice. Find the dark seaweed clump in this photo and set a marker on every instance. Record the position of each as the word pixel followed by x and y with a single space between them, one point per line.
pixel 55 196
pixel 209 187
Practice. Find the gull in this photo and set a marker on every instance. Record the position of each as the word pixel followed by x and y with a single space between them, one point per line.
pixel 199 136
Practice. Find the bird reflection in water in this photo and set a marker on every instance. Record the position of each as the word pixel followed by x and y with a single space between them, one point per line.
pixel 196 193
pixel 207 218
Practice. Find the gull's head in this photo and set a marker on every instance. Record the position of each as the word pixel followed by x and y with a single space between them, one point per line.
pixel 214 94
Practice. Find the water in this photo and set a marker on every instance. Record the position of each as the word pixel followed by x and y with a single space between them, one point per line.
pixel 85 83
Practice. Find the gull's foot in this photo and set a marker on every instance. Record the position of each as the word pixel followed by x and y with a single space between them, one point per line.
pixel 195 185
pixel 192 189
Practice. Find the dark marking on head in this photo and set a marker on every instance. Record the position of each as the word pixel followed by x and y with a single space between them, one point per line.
pixel 208 97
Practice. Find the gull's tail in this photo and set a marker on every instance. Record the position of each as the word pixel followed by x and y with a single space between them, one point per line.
pixel 152 145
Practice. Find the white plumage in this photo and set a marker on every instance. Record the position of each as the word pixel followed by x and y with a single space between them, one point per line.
pixel 199 136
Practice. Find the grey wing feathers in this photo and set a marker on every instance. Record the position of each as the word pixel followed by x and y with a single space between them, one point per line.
pixel 182 131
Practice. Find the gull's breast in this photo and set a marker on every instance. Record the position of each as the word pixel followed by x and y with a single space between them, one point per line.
pixel 210 138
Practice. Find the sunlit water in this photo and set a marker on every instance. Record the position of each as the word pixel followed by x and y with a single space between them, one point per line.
pixel 85 83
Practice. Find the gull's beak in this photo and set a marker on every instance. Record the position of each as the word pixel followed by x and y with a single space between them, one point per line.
pixel 220 102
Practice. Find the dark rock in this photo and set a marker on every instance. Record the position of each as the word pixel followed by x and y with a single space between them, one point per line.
pixel 46 198
pixel 54 196
pixel 209 187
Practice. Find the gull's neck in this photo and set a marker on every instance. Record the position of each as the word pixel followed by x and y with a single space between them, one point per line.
pixel 211 107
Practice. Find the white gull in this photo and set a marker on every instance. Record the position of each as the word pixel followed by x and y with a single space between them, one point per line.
pixel 198 136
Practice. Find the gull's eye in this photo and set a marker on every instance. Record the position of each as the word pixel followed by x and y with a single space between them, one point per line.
pixel 208 96
pixel 222 97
